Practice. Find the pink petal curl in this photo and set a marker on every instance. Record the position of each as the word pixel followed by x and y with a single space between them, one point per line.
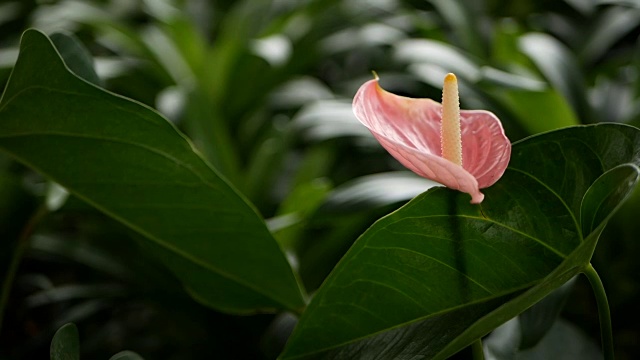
pixel 409 129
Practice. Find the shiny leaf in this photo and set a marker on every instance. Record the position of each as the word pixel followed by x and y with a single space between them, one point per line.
pixel 442 263
pixel 133 165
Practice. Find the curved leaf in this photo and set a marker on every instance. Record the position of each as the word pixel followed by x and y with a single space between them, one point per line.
pixel 65 344
pixel 441 263
pixel 76 56
pixel 605 195
pixel 133 165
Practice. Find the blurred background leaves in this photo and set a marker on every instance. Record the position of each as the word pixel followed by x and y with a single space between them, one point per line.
pixel 263 88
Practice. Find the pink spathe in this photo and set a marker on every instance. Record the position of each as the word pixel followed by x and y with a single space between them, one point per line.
pixel 410 131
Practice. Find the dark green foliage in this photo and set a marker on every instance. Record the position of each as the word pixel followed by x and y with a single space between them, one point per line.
pixel 258 94
pixel 131 164
pixel 440 262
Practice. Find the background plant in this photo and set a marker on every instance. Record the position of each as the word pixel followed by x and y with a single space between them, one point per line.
pixel 263 89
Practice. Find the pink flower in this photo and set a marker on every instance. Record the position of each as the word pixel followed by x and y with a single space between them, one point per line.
pixel 464 150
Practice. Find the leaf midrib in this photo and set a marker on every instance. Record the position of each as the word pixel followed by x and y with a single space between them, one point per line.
pixel 539 241
pixel 566 206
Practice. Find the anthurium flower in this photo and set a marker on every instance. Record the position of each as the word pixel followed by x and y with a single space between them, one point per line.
pixel 464 150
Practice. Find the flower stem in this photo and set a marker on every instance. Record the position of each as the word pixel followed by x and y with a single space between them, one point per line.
pixel 606 331
pixel 21 247
pixel 477 351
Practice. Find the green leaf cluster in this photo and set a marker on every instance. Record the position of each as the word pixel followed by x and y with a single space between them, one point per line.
pixel 176 207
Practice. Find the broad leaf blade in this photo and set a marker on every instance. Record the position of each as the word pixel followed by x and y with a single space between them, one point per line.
pixel 133 165
pixel 608 202
pixel 441 263
pixel 570 160
pixel 431 266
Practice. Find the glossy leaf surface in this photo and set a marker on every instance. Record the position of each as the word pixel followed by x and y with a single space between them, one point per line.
pixel 133 165
pixel 441 263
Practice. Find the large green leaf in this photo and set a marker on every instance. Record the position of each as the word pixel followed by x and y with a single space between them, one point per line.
pixel 133 165
pixel 430 278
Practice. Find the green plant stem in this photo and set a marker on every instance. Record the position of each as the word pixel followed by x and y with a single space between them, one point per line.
pixel 476 349
pixel 606 331
pixel 21 246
